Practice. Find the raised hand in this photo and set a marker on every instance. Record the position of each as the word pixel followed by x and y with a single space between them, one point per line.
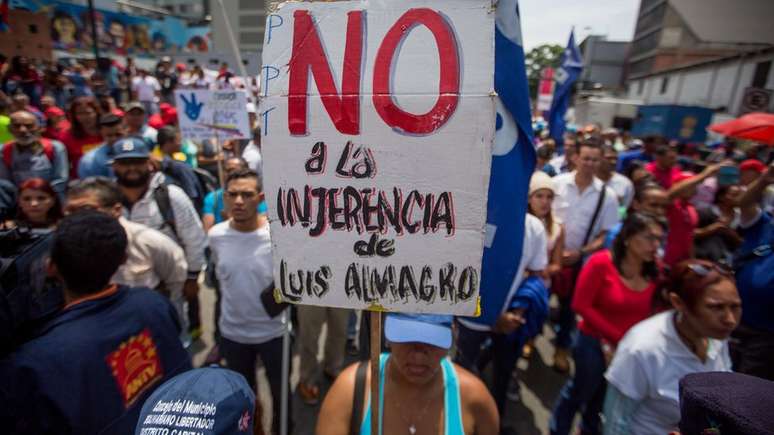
pixel 192 107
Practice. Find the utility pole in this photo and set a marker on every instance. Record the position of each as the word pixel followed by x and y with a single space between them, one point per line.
pixel 95 41
pixel 232 41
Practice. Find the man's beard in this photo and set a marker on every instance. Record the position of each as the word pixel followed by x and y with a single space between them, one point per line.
pixel 26 141
pixel 134 182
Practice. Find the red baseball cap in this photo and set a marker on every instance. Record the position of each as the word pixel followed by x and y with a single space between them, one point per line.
pixel 54 111
pixel 752 165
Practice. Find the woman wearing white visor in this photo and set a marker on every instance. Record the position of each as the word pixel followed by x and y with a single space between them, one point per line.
pixel 422 391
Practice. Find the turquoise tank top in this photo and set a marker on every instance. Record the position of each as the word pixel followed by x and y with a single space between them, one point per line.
pixel 451 400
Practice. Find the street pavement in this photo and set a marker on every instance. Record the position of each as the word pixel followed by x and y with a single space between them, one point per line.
pixel 539 383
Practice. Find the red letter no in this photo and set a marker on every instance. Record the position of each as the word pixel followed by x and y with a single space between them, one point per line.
pixel 449 85
pixel 308 54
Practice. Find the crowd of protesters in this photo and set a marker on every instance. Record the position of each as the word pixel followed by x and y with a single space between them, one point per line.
pixel 636 240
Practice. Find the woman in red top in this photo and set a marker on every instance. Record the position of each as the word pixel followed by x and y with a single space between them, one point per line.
pixel 83 134
pixel 615 290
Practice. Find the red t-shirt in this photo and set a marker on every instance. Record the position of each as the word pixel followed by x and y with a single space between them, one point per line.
pixel 77 147
pixel 682 219
pixel 666 178
pixel 607 306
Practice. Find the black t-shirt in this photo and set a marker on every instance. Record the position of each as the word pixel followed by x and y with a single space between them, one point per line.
pixel 168 82
pixel 718 248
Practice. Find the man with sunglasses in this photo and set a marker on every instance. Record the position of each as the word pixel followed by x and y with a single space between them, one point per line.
pixel 241 252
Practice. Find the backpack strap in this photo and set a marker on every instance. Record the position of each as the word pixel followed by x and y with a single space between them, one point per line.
pixel 161 196
pixel 48 150
pixel 357 400
pixel 8 154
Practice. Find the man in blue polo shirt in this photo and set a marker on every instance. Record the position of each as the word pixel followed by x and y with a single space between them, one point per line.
pixel 645 155
pixel 752 344
pixel 91 367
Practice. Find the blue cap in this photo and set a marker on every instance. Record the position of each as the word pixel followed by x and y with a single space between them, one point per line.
pixel 130 148
pixel 432 329
pixel 209 400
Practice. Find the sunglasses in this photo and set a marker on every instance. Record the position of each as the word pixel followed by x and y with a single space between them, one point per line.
pixel 702 270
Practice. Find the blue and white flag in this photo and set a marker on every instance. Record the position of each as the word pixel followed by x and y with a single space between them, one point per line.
pixel 513 160
pixel 565 77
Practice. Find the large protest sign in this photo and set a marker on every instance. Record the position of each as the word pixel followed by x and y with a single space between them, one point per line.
pixel 378 121
pixel 205 114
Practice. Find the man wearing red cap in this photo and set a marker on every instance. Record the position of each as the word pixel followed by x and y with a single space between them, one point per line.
pixel 56 123
pixel 167 116
pixel 681 214
pixel 750 170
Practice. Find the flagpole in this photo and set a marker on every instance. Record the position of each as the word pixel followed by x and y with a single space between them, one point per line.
pixel 232 40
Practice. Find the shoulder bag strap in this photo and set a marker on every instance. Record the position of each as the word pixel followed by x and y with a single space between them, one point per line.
pixel 577 267
pixel 590 230
pixel 357 399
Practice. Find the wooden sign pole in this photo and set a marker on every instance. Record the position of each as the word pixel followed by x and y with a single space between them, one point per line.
pixel 376 348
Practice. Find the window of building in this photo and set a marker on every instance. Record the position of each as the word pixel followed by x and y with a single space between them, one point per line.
pixel 252 21
pixel 250 38
pixel 761 75
pixel 664 85
pixel 33 28
pixel 249 5
pixel 640 87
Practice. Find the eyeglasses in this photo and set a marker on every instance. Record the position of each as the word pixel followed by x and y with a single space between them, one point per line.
pixel 652 237
pixel 245 195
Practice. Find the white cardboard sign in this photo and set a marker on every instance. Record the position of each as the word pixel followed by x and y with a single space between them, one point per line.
pixel 378 120
pixel 205 114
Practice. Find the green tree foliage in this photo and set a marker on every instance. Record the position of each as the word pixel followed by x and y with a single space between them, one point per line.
pixel 540 57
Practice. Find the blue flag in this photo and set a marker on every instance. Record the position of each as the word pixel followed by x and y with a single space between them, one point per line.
pixel 4 17
pixel 513 160
pixel 565 77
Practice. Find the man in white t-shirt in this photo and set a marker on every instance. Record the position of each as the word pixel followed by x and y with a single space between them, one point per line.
pixel 241 252
pixel 622 186
pixel 146 89
pixel 577 195
pixel 471 336
pixel 252 153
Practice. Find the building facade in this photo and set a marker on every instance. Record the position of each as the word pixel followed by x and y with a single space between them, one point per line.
pixel 731 86
pixel 248 21
pixel 30 35
pixel 191 10
pixel 672 33
pixel 604 63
